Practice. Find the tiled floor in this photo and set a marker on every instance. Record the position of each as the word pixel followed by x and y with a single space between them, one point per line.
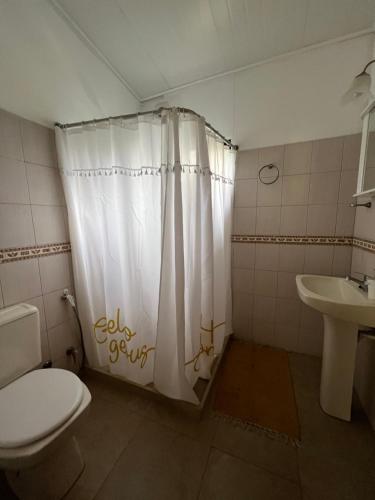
pixel 136 447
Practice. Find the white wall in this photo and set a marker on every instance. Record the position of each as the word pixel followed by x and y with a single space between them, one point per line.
pixel 364 262
pixel 295 98
pixel 47 73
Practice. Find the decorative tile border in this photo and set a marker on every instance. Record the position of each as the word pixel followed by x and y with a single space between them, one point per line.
pixel 367 245
pixel 364 244
pixel 32 252
pixel 23 253
pixel 294 240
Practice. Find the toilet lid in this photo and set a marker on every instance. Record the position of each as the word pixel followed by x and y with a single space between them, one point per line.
pixel 36 404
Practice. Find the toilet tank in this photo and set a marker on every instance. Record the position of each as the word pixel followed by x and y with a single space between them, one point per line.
pixel 20 341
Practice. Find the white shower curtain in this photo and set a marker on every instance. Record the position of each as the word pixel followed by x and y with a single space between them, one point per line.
pixel 150 206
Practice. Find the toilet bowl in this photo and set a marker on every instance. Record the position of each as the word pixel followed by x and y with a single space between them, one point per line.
pixel 39 413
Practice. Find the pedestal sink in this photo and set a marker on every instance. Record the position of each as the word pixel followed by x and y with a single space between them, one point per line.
pixel 344 307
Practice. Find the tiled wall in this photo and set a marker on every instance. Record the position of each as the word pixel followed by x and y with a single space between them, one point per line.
pixel 33 215
pixel 311 197
pixel 364 262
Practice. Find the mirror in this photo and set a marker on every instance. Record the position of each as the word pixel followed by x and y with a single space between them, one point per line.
pixel 366 173
pixel 369 172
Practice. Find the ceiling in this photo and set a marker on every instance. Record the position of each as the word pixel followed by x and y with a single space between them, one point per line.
pixel 69 60
pixel 158 45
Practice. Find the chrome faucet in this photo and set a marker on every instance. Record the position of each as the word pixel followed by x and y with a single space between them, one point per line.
pixel 362 283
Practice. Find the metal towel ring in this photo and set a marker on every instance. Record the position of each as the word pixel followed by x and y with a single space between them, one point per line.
pixel 269 166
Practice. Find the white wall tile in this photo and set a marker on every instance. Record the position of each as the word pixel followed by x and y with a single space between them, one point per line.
pixel 16 226
pixel 310 342
pixel 38 302
pixel 293 220
pixel 61 337
pixel 244 220
pixel 245 193
pixel 288 311
pixel 264 308
pixel 321 220
pixel 243 255
pixel 265 283
pixel 295 189
pixel 364 226
pixel 45 185
pixel 268 220
pixel 68 362
pixel 38 144
pixel 55 272
pixel 345 220
pixel 274 155
pixel 20 281
pixel 327 154
pixel 311 319
pixel 46 352
pixel 267 257
pixel 263 332
pixel 324 188
pixel 350 156
pixel 50 224
pixel 286 285
pixel 10 136
pixel 367 263
pixel 312 197
pixel 348 186
pixel 57 310
pixel 342 259
pixel 298 158
pixel 13 182
pixel 292 258
pixel 318 259
pixel 286 337
pixel 243 280
pixel 269 194
pixel 357 264
pixel 242 314
pixel 247 164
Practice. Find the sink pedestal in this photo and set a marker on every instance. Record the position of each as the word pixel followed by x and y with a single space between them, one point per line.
pixel 339 354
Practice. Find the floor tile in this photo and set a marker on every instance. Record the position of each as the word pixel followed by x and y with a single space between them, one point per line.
pixel 173 414
pixel 5 491
pixel 102 438
pixel 227 477
pixel 201 427
pixel 329 478
pixel 260 450
pixel 158 463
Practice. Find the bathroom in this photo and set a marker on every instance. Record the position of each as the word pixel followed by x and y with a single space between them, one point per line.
pixel 187 249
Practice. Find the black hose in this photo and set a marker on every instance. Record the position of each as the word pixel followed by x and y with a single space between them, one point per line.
pixel 81 334
pixel 74 307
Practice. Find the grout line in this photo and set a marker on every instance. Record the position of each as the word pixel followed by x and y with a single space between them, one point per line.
pixel 257 466
pixel 205 470
pixel 33 223
pixel 31 204
pixel 118 458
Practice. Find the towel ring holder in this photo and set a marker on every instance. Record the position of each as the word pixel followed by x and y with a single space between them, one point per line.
pixel 273 180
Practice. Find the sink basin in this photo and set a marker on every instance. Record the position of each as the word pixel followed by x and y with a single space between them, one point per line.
pixel 344 307
pixel 338 297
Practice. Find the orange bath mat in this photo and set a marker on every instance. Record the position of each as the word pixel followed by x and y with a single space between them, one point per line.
pixel 255 388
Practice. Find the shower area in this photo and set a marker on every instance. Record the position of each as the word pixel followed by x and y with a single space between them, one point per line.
pixel 149 200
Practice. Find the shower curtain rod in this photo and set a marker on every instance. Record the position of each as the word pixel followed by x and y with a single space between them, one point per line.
pixel 226 141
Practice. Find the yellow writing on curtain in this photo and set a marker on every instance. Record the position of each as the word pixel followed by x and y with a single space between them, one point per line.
pixel 105 327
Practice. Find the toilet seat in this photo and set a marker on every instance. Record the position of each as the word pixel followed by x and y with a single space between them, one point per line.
pixel 36 404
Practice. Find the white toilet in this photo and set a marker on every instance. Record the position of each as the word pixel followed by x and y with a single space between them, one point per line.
pixel 39 412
